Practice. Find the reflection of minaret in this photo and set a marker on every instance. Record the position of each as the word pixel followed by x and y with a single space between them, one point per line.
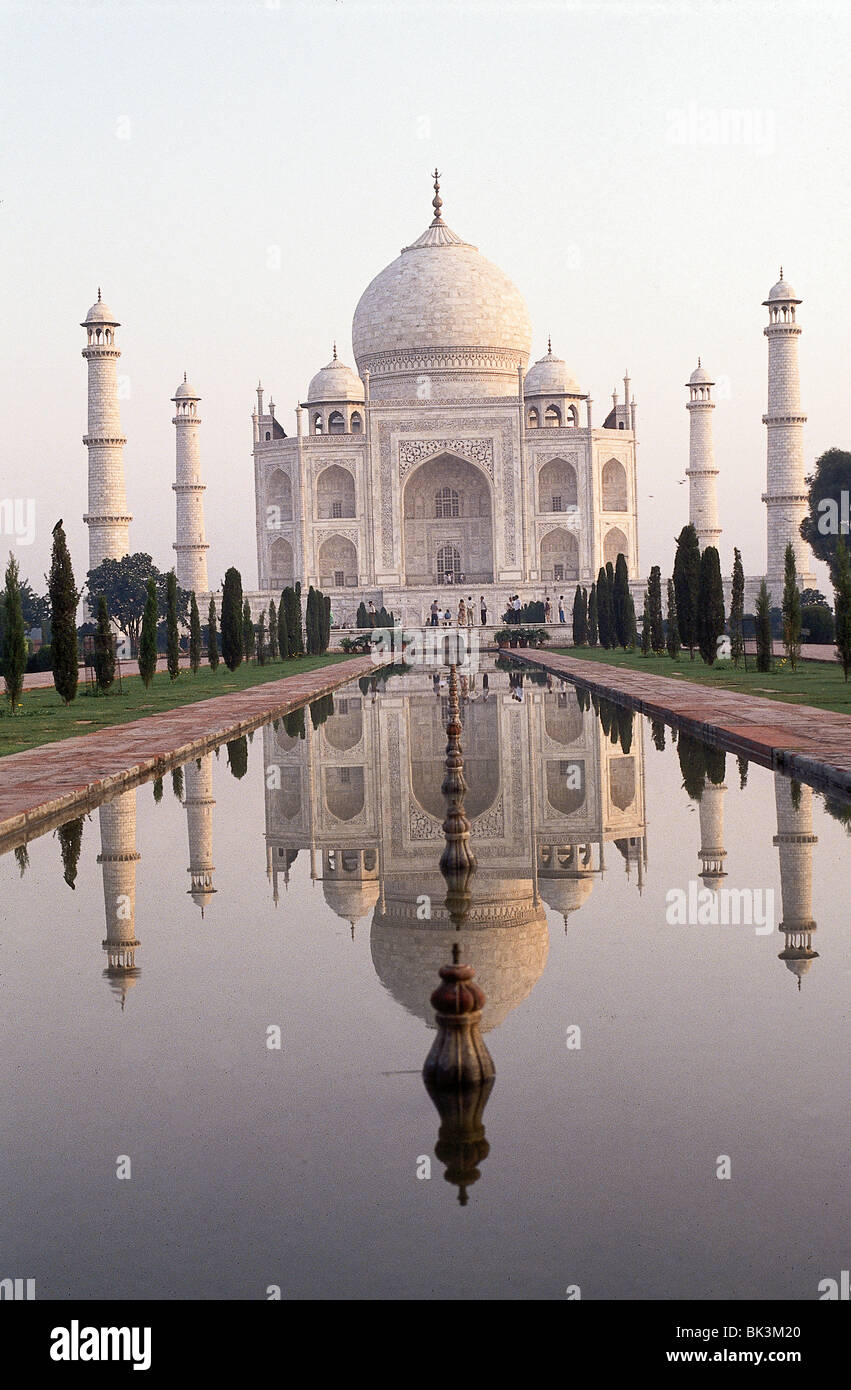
pixel 795 840
pixel 712 852
pixel 118 858
pixel 199 803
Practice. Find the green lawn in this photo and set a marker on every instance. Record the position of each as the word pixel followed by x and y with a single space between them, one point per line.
pixel 44 718
pixel 818 683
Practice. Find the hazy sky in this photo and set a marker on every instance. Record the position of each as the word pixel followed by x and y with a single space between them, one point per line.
pixel 234 175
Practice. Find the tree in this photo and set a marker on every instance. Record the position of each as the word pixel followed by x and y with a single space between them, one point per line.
pixel 35 609
pixel 817 623
pixel 261 640
pixel 212 636
pixel 70 837
pixel 283 631
pixel 842 604
pixel 311 629
pixel 248 634
pixel 14 637
pixel 686 585
pixel 604 610
pixel 577 618
pixel 294 622
pixel 64 597
pixel 737 610
pixel 104 648
pixel 148 637
pixel 232 633
pixel 657 622
pixel 362 619
pixel 172 635
pixel 593 629
pixel 273 631
pixel 710 605
pixel 194 635
pixel 124 585
pixel 673 641
pixel 326 622
pixel 829 501
pixel 620 604
pixel 238 756
pixel 631 624
pixel 763 629
pixel 791 607
pixel 645 623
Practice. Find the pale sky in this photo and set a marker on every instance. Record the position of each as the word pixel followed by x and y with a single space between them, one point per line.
pixel 233 175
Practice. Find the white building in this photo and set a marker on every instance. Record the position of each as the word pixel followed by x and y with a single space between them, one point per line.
pixel 442 457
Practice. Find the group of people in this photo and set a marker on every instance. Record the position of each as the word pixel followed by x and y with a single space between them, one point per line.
pixel 467 686
pixel 515 608
pixel 466 614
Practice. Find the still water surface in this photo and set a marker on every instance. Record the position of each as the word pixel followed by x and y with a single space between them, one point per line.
pixel 286 883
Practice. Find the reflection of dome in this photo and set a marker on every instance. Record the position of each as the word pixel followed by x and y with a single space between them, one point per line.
pixel 351 899
pixel 336 382
pixel 550 376
pixel 508 959
pixel 442 304
pixel 121 979
pixel 565 895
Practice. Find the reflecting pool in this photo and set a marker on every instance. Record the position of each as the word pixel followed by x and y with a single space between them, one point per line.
pixel 215 998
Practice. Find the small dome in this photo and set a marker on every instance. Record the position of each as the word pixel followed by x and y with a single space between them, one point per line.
pixel 550 376
pixel 782 292
pixel 336 382
pixel 351 899
pixel 185 392
pixel 565 895
pixel 700 376
pixel 100 313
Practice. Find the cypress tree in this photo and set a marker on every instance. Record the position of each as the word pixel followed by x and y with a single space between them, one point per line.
pixel 64 597
pixel 645 624
pixel 657 727
pixel 737 610
pixel 261 640
pixel 620 603
pixel 326 622
pixel 294 625
pixel 311 624
pixel 577 617
pixel 593 629
pixel 172 635
pixel 147 657
pixel 283 631
pixel 70 842
pixel 673 642
pixel 232 635
pixel 791 607
pixel 604 612
pixel 177 782
pixel 194 635
pixel 842 603
pixel 273 631
pixel 158 790
pixel 14 636
pixel 686 585
pixel 362 619
pixel 238 756
pixel 584 617
pixel 692 755
pixel 625 723
pixel 710 606
pixel 631 624
pixel 657 623
pixel 212 636
pixel 104 648
pixel 248 634
pixel 763 629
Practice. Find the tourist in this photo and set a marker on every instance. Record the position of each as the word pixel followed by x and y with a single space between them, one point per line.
pixel 485 685
pixel 517 607
pixel 462 613
pixel 462 578
pixel 484 611
pixel 548 609
pixel 469 612
pixel 561 616
pixel 449 578
pixel 447 618
pixel 434 613
pixel 371 613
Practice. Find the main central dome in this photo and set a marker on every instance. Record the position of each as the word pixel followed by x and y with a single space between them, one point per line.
pixel 444 312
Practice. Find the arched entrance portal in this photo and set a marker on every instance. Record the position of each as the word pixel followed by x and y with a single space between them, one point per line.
pixel 448 523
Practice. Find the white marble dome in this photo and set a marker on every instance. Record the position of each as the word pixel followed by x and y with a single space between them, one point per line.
pixel 335 382
pixel 100 313
pixel 185 392
pixel 550 376
pixel 442 307
pixel 700 376
pixel 783 292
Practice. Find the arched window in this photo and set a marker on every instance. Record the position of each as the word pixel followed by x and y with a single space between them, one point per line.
pixel 336 423
pixel 335 492
pixel 572 416
pixel 553 415
pixel 614 545
pixel 317 423
pixel 268 434
pixel 357 422
pixel 448 562
pixel 532 419
pixel 614 487
pixel 446 502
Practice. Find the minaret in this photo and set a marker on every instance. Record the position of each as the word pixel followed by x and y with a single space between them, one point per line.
pixel 118 858
pixel 199 803
pixel 107 518
pixel 712 852
pixel 786 493
pixel 191 544
pixel 701 471
pixel 794 841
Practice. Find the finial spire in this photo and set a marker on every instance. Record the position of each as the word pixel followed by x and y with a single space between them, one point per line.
pixel 698 359
pixel 335 349
pixel 99 289
pixel 437 201
pixel 549 345
pixel 781 277
pixel 184 376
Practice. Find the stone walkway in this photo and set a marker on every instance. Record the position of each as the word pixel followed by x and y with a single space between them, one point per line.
pixel 42 787
pixel 812 745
